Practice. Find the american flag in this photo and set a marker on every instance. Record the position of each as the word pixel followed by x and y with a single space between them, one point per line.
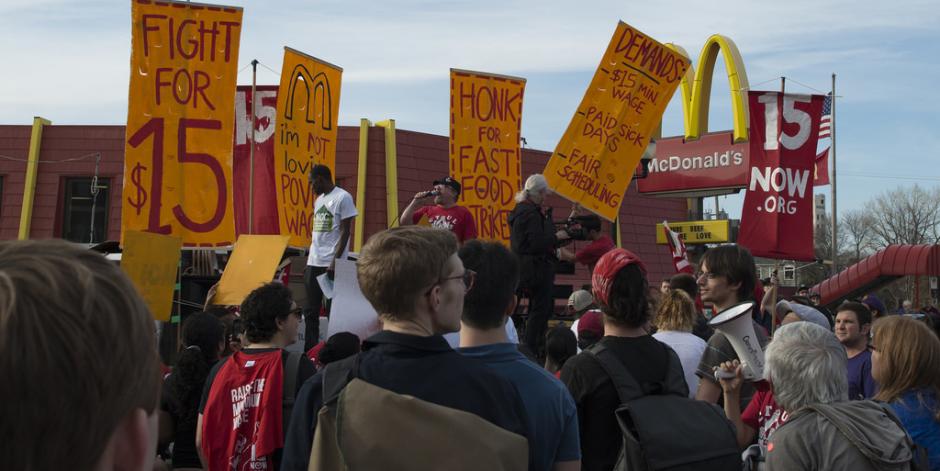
pixel 825 125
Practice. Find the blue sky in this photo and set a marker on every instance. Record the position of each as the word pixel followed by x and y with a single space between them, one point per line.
pixel 67 61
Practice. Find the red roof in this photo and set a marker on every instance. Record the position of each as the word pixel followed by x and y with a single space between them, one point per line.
pixel 879 269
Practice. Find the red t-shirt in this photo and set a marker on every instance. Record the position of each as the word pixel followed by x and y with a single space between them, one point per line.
pixel 456 219
pixel 241 426
pixel 764 415
pixel 592 252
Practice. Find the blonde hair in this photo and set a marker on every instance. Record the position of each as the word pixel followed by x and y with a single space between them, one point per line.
pixel 398 264
pixel 676 312
pixel 909 353
pixel 77 352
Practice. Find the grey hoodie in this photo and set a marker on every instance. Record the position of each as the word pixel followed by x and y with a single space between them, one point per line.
pixel 851 435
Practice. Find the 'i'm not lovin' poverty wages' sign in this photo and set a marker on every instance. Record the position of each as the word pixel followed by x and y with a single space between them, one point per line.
pixel 594 162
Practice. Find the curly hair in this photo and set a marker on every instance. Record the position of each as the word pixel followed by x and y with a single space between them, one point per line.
pixel 676 312
pixel 262 307
pixel 202 334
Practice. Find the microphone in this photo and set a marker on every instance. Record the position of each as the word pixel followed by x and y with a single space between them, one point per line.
pixel 430 193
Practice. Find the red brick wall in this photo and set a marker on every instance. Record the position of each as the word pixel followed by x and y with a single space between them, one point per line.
pixel 422 158
pixel 59 143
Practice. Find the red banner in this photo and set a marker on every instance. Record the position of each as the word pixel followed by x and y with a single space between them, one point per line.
pixel 777 219
pixel 821 176
pixel 680 258
pixel 264 212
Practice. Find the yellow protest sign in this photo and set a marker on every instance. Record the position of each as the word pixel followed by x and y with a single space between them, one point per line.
pixel 307 114
pixel 252 264
pixel 595 159
pixel 697 232
pixel 180 121
pixel 485 128
pixel 151 261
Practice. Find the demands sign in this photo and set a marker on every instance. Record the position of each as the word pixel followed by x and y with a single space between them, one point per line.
pixel 180 120
pixel 697 232
pixel 485 124
pixel 307 115
pixel 595 159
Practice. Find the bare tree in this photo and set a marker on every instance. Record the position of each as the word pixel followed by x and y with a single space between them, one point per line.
pixel 906 215
pixel 857 226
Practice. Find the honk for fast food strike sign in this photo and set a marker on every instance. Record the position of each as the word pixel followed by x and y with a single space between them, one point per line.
pixel 594 162
pixel 180 120
pixel 485 129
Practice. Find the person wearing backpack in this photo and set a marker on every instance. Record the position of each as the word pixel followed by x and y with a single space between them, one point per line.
pixel 620 289
pixel 402 399
pixel 248 396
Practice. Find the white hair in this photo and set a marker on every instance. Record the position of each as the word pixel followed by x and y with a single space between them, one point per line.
pixel 535 183
pixel 806 364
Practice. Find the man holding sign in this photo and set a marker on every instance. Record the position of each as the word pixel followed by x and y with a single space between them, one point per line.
pixel 333 212
pixel 445 213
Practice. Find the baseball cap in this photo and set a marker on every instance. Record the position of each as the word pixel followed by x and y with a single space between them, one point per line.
pixel 607 268
pixel 449 181
pixel 580 300
pixel 805 313
pixel 874 303
pixel 591 321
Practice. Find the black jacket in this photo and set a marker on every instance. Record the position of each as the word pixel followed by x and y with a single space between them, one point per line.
pixel 532 238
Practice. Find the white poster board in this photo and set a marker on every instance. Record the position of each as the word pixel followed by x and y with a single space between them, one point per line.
pixel 351 312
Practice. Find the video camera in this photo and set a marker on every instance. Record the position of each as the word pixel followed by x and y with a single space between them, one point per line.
pixel 577 227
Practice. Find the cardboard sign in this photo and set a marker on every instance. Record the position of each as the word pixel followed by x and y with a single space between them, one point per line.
pixel 151 262
pixel 180 120
pixel 777 217
pixel 697 232
pixel 307 116
pixel 485 158
pixel 595 160
pixel 252 264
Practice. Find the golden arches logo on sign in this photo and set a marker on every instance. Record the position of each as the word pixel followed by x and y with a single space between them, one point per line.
pixel 696 87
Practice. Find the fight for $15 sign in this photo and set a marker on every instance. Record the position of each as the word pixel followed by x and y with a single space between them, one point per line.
pixel 180 120
pixel 307 117
pixel 485 129
pixel 594 162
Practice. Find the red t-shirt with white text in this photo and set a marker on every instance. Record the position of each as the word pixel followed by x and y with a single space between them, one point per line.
pixel 241 425
pixel 764 415
pixel 456 219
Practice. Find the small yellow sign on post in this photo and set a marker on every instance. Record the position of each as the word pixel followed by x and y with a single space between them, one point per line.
pixel 697 232
pixel 151 262
pixel 251 265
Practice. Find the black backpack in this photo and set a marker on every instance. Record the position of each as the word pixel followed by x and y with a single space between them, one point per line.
pixel 662 428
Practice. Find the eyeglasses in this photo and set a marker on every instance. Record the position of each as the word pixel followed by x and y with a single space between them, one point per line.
pixel 297 311
pixel 707 275
pixel 468 276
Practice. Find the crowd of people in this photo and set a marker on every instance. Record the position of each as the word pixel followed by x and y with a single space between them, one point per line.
pixel 83 387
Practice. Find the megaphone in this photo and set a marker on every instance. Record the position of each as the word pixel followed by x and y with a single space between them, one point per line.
pixel 735 323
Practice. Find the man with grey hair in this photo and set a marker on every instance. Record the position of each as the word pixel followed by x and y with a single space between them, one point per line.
pixel 805 365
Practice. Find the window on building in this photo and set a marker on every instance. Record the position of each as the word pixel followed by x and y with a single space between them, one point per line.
pixel 789 273
pixel 85 214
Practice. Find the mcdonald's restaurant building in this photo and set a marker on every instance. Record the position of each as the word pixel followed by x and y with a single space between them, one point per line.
pixel 79 188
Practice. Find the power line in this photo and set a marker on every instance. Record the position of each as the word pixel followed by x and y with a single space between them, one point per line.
pixel 892 177
pixel 73 159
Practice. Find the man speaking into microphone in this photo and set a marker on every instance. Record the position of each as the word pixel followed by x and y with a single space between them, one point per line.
pixel 445 213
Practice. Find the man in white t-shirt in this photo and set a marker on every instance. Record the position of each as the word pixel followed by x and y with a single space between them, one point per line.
pixel 333 212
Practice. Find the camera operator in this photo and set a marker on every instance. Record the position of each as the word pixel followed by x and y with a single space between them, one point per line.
pixel 533 238
pixel 585 228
